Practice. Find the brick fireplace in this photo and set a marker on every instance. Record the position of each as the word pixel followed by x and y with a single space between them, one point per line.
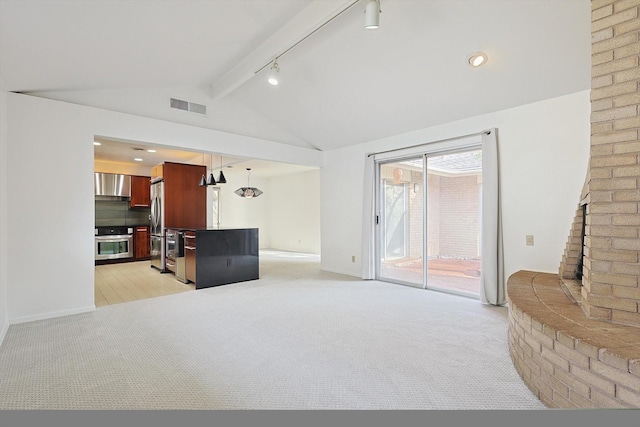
pixel 611 193
pixel 575 337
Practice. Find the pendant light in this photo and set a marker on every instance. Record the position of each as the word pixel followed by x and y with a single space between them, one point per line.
pixel 203 180
pixel 212 180
pixel 248 192
pixel 221 178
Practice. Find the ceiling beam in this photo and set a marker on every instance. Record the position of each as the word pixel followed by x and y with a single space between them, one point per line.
pixel 309 20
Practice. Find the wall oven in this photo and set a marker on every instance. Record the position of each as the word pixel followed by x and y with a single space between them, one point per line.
pixel 113 243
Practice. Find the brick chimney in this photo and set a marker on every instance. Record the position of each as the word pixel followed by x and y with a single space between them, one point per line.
pixel 611 272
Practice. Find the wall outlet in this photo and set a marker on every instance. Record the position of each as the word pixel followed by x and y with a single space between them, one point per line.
pixel 529 240
pixel 353 258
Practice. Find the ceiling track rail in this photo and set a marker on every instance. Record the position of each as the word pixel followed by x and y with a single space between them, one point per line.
pixel 337 14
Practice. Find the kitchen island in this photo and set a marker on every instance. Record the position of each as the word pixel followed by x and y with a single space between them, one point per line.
pixel 217 256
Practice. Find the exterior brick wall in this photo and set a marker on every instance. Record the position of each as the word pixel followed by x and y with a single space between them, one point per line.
pixel 610 284
pixel 453 213
pixel 460 216
pixel 416 224
pixel 433 216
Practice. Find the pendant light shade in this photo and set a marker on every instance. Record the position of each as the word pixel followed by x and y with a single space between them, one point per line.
pixel 372 15
pixel 211 180
pixel 203 180
pixel 248 192
pixel 221 178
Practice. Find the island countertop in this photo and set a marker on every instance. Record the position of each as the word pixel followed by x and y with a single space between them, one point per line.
pixel 213 228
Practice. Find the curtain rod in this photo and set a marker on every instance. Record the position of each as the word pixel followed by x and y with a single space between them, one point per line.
pixel 484 132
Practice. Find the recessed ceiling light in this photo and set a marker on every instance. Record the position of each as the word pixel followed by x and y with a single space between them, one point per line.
pixel 96 143
pixel 138 159
pixel 151 151
pixel 477 59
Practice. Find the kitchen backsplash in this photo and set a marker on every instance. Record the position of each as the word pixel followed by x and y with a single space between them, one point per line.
pixel 118 213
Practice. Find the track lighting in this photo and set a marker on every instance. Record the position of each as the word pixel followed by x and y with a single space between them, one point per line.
pixel 372 21
pixel 273 73
pixel 372 15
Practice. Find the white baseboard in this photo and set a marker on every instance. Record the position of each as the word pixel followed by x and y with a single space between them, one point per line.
pixel 340 272
pixel 3 332
pixel 52 315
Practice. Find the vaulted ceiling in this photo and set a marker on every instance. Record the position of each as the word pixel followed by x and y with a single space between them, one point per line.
pixel 342 85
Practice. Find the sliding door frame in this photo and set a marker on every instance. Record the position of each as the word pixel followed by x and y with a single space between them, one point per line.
pixel 380 222
pixel 425 153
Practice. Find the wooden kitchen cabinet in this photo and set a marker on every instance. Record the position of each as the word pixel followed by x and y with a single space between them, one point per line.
pixel 140 192
pixel 142 243
pixel 156 172
pixel 190 255
pixel 185 203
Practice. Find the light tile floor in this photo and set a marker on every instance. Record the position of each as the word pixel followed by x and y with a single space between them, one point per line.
pixel 118 283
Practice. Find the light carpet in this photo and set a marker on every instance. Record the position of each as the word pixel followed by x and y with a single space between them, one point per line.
pixel 298 338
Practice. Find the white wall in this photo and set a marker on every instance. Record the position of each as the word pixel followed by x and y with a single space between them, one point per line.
pixel 50 268
pixel 294 205
pixel 544 150
pixel 4 315
pixel 236 211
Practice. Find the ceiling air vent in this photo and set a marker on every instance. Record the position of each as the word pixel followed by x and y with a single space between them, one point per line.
pixel 188 106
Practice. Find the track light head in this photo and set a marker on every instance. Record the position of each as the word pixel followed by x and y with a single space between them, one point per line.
pixel 273 73
pixel 372 15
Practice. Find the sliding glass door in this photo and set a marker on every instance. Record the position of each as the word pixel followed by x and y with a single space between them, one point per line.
pixel 401 221
pixel 437 213
pixel 454 201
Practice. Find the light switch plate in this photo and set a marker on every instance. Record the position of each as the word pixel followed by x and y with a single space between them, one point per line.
pixel 529 240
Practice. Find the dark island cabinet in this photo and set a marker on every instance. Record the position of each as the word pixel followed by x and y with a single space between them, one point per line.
pixel 224 256
pixel 190 255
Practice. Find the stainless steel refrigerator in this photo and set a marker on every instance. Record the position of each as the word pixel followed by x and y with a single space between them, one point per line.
pixel 157 226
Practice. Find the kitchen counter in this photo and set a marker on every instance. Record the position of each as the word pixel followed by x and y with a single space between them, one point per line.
pixel 222 255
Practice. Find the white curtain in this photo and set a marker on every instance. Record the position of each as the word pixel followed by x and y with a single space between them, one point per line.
pixel 368 215
pixel 492 289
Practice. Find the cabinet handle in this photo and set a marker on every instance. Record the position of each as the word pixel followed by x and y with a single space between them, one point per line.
pixel 140 205
pixel 186 236
pixel 190 248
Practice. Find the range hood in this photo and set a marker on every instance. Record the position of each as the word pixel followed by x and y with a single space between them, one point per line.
pixel 110 186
